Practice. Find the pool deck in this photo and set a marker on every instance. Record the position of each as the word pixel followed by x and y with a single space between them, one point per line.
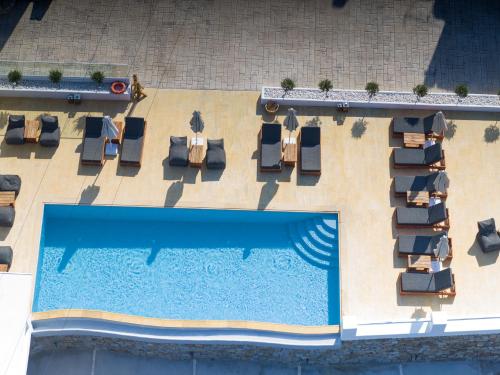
pixel 356 181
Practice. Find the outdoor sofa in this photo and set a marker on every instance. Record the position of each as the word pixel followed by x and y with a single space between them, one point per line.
pixel 133 141
pixel 430 157
pixel 178 154
pixel 488 237
pixel 435 183
pixel 423 283
pixel 270 148
pixel 94 142
pixel 10 182
pixel 5 258
pixel 15 130
pixel 50 134
pixel 310 150
pixel 422 245
pixel 7 216
pixel 423 217
pixel 216 156
pixel 433 125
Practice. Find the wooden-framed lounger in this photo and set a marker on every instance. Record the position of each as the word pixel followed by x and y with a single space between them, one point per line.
pixel 432 157
pixel 133 141
pixel 270 148
pixel 435 217
pixel 310 150
pixel 422 245
pixel 441 283
pixel 432 126
pixel 94 142
pixel 435 183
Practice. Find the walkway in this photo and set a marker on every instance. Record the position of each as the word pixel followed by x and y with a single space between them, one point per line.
pixel 241 45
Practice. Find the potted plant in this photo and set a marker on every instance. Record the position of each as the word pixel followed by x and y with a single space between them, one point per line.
pixel 420 91
pixel 325 85
pixel 287 85
pixel 97 77
pixel 372 88
pixel 15 76
pixel 462 91
pixel 55 76
pixel 271 107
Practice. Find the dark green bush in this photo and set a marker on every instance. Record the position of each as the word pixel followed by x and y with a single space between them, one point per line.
pixel 325 85
pixel 287 84
pixel 420 90
pixel 97 77
pixel 15 76
pixel 372 88
pixel 55 76
pixel 462 90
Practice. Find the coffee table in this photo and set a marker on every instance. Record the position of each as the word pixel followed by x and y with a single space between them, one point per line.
pixel 289 151
pixel 419 262
pixel 196 153
pixel 417 198
pixel 413 140
pixel 31 130
pixel 7 198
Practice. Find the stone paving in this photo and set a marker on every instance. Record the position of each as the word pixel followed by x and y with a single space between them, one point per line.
pixel 242 45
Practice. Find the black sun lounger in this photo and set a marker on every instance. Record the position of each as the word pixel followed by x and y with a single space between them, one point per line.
pixel 7 216
pixel 133 141
pixel 93 142
pixel 429 217
pixel 270 148
pixel 435 283
pixel 421 245
pixel 15 130
pixel 50 134
pixel 310 150
pixel 488 236
pixel 431 125
pixel 435 183
pixel 10 182
pixel 216 156
pixel 430 157
pixel 178 154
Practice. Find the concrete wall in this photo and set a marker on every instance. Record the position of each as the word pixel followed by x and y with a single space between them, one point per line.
pixel 481 347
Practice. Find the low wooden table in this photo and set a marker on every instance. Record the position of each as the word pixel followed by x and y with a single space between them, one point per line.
pixel 119 137
pixel 196 153
pixel 417 198
pixel 31 131
pixel 419 262
pixel 7 198
pixel 413 140
pixel 289 151
pixel 4 267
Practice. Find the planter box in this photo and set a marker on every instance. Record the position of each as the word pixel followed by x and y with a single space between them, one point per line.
pixel 384 99
pixel 41 87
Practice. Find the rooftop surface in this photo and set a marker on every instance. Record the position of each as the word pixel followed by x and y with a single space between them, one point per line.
pixel 356 181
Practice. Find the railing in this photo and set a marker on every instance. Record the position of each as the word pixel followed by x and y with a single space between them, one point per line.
pixel 69 69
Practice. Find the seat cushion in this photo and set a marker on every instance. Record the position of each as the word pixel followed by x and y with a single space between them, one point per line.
pixel 93 149
pixel 178 155
pixel 215 143
pixel 402 184
pixel 7 216
pixel 406 156
pixel 433 154
pixel 50 138
pixel 418 245
pixel 216 158
pixel 310 158
pixel 6 255
pixel 15 130
pixel 180 141
pixel 489 242
pixel 412 215
pixel 426 282
pixel 487 226
pixel 270 156
pixel 131 151
pixel 437 213
pixel 10 182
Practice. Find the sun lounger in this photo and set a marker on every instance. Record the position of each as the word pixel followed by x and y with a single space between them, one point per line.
pixel 216 156
pixel 430 157
pixel 434 283
pixel 50 134
pixel 310 150
pixel 10 182
pixel 133 141
pixel 178 154
pixel 434 125
pixel 93 142
pixel 435 183
pixel 488 236
pixel 5 258
pixel 15 130
pixel 270 148
pixel 429 217
pixel 422 245
pixel 7 216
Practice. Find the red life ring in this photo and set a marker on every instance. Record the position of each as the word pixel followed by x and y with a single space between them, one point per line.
pixel 118 87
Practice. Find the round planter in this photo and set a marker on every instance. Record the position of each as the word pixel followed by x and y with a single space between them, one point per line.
pixel 271 107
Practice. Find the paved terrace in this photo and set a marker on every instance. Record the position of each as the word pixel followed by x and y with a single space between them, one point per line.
pixel 356 181
pixel 242 45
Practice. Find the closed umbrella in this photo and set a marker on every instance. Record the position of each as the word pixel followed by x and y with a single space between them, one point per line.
pixel 442 249
pixel 197 123
pixel 291 122
pixel 110 131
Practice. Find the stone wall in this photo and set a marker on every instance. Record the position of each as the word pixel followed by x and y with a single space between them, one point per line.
pixel 477 347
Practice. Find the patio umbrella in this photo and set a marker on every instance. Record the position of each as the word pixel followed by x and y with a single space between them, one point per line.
pixel 442 182
pixel 109 129
pixel 442 249
pixel 197 123
pixel 291 122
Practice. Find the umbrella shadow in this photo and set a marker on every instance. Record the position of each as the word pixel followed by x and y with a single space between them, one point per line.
pixel 359 128
pixel 174 193
pixel 267 193
pixel 89 194
pixel 491 133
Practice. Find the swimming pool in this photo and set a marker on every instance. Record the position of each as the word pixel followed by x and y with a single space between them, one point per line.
pixel 191 264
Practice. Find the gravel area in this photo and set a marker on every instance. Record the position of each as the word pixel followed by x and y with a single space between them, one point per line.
pixel 29 84
pixel 381 97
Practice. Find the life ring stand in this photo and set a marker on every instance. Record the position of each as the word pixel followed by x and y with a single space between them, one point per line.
pixel 118 87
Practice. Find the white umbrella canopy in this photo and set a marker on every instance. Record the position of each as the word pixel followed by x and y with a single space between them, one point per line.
pixel 442 249
pixel 291 122
pixel 109 129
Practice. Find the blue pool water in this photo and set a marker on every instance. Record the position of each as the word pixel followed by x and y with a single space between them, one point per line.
pixel 172 263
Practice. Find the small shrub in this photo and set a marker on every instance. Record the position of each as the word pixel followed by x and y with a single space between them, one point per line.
pixel 372 88
pixel 97 77
pixel 55 76
pixel 15 76
pixel 420 90
pixel 462 91
pixel 287 84
pixel 325 85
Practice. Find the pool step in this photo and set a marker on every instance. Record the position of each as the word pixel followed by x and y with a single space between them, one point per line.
pixel 315 241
